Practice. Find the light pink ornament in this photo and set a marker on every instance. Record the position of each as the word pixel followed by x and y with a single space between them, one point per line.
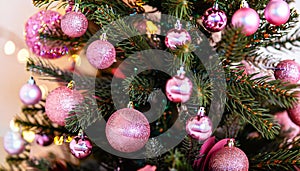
pixel 287 71
pixel 179 88
pixel 81 147
pixel 13 143
pixel 177 37
pixel 247 18
pixel 127 130
pixel 60 102
pixel 74 24
pixel 277 12
pixel 30 93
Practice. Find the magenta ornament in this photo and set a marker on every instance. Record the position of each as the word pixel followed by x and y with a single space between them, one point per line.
pixel 81 147
pixel 44 139
pixel 60 102
pixel 127 130
pixel 277 12
pixel 44 22
pixel 74 24
pixel 13 143
pixel 287 71
pixel 294 112
pixel 214 19
pixel 30 93
pixel 101 54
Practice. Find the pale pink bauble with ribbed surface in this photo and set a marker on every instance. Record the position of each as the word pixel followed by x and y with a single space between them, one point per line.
pixel 74 24
pixel 199 127
pixel 179 89
pixel 177 37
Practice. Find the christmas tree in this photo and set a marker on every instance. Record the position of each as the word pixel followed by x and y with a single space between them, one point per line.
pixel 179 85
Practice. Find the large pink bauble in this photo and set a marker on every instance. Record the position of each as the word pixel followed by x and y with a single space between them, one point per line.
pixel 81 147
pixel 74 24
pixel 101 54
pixel 46 22
pixel 294 112
pixel 277 12
pixel 30 94
pixel 214 20
pixel 177 37
pixel 179 89
pixel 127 130
pixel 199 127
pixel 60 102
pixel 287 71
pixel 246 18
pixel 13 143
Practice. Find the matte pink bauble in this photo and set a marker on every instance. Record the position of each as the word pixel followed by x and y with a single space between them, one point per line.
pixel 287 71
pixel 248 19
pixel 44 139
pixel 199 127
pixel 177 37
pixel 277 12
pixel 74 24
pixel 214 19
pixel 13 143
pixel 60 102
pixel 81 147
pixel 101 54
pixel 179 89
pixel 127 130
pixel 30 93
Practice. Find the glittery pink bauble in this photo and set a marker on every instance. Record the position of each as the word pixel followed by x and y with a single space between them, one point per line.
pixel 177 37
pixel 30 94
pixel 178 89
pixel 46 22
pixel 277 12
pixel 81 147
pixel 44 139
pixel 199 127
pixel 60 102
pixel 127 130
pixel 287 71
pixel 294 112
pixel 74 24
pixel 101 54
pixel 229 158
pixel 246 18
pixel 13 143
pixel 214 20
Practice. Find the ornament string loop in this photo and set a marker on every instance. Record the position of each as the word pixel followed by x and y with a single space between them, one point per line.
pixel 71 85
pixel 178 25
pixel 244 4
pixel 103 37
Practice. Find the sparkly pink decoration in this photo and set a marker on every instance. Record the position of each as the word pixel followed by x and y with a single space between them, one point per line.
pixel 199 127
pixel 30 93
pixel 177 37
pixel 127 130
pixel 44 139
pixel 60 102
pixel 74 24
pixel 246 18
pixel 214 19
pixel 45 22
pixel 277 12
pixel 287 71
pixel 81 147
pixel 13 143
pixel 101 54
pixel 294 113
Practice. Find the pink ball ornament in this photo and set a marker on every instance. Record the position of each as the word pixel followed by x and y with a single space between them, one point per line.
pixel 177 37
pixel 277 12
pixel 127 130
pixel 214 19
pixel 81 147
pixel 294 112
pixel 60 102
pixel 101 54
pixel 30 93
pixel 287 71
pixel 74 24
pixel 44 139
pixel 13 143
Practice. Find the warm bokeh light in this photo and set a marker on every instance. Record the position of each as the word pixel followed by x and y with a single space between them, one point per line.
pixel 13 126
pixel 23 54
pixel 75 58
pixel 9 48
pixel 28 136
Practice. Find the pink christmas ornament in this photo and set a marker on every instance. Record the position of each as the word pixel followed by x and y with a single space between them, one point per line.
pixel 127 130
pixel 81 147
pixel 177 37
pixel 74 24
pixel 179 88
pixel 247 18
pixel 30 93
pixel 288 128
pixel 60 102
pixel 294 112
pixel 214 19
pixel 277 12
pixel 13 143
pixel 101 54
pixel 44 139
pixel 287 71
pixel 46 22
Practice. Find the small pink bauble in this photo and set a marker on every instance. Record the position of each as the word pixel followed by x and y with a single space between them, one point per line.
pixel 81 147
pixel 60 102
pixel 246 18
pixel 214 19
pixel 277 12
pixel 287 71
pixel 44 139
pixel 179 89
pixel 13 143
pixel 74 24
pixel 127 130
pixel 30 93
pixel 101 54
pixel 199 127
pixel 46 22
pixel 294 112
pixel 177 37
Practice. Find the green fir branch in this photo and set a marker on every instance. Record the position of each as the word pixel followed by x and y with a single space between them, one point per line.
pixel 181 9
